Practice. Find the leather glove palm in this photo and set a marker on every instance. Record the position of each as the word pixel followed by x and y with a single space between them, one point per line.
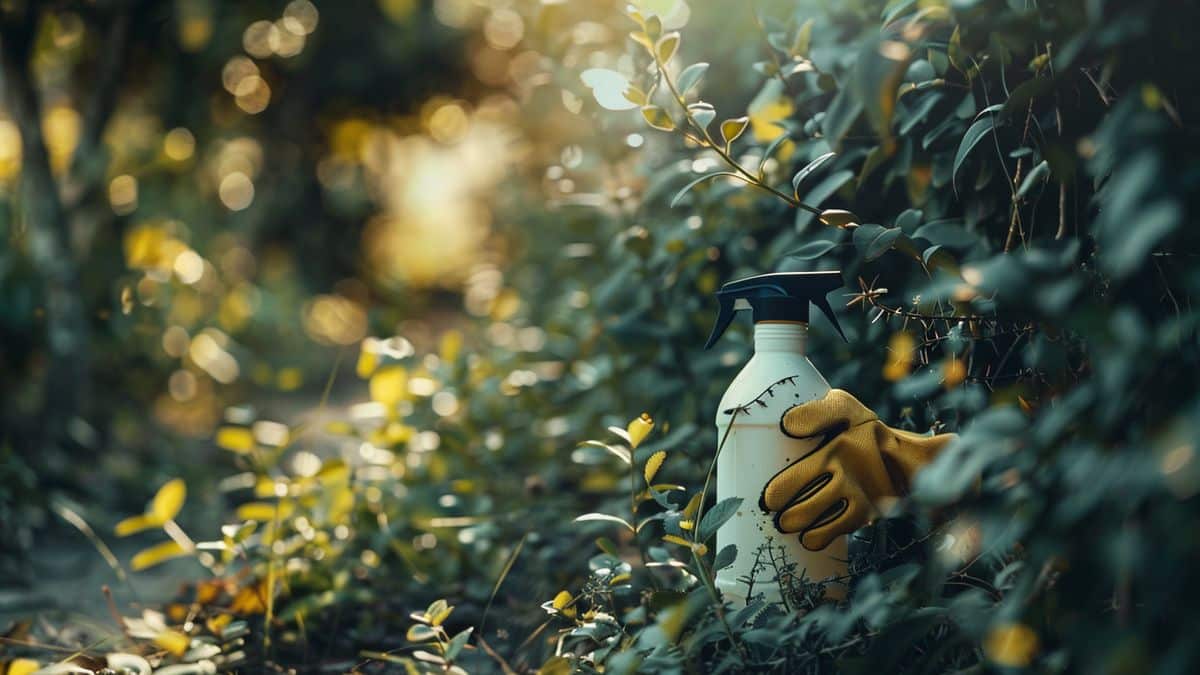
pixel 858 460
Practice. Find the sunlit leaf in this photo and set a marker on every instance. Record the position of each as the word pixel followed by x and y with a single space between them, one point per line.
pixel 666 46
pixel 732 128
pixel 156 554
pixel 590 517
pixel 135 524
pixel 168 501
pixel 638 429
pixel 653 464
pixel 173 641
pixel 622 453
pixel 608 88
pixel 838 218
pixel 803 40
pixel 658 118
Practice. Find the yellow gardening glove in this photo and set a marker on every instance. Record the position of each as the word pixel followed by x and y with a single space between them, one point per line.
pixel 836 488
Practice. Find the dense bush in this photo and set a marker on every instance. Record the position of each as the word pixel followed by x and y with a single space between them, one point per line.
pixel 1006 188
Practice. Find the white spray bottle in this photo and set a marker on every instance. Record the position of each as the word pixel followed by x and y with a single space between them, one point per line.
pixel 754 448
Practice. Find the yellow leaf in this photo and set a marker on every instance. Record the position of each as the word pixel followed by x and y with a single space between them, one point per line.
pixel 451 346
pixel 22 667
pixel 654 464
pixel 666 46
pixel 135 524
pixel 677 540
pixel 562 599
pixel 157 554
pixel 368 360
pixel 732 128
pixel 167 501
pixel 235 439
pixel 250 599
pixel 264 511
pixel 955 371
pixel 693 505
pixel 764 115
pixel 901 350
pixel 389 385
pixel 639 429
pixel 658 118
pixel 687 525
pixel 438 618
pixel 1011 644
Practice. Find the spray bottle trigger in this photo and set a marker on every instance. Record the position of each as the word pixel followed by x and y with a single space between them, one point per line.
pixel 725 315
pixel 823 304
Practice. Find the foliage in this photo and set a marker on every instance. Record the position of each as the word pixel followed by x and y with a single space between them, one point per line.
pixel 1005 187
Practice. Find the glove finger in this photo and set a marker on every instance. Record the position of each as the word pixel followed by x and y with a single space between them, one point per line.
pixel 802 514
pixel 854 513
pixel 796 480
pixel 837 411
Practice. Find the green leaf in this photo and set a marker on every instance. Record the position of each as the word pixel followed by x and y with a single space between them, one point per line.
pixel 808 170
pixel 717 516
pixel 840 116
pixel 875 240
pixel 457 643
pixel 690 77
pixel 608 88
pixel 725 557
pixel 658 118
pixel 687 188
pixel 970 139
pixel 420 633
pixel 702 112
pixel 159 553
pixel 1039 172
pixel 803 40
pixel 732 128
pixel 812 250
pixel 770 150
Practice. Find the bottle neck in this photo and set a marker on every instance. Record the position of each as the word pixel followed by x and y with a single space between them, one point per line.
pixel 787 337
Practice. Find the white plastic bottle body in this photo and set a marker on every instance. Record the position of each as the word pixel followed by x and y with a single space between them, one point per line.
pixel 776 378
